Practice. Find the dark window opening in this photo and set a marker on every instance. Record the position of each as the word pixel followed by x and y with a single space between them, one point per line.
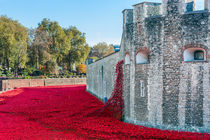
pixel 139 28
pixel 199 55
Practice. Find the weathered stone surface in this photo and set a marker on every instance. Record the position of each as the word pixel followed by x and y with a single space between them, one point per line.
pixel 101 76
pixel 168 92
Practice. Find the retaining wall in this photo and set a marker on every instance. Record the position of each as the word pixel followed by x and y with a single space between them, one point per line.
pixel 18 83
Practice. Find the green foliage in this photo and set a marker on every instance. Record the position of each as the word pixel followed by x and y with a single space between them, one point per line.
pixel 79 48
pixel 18 56
pixel 9 73
pixel 61 44
pixel 27 77
pixel 101 49
pixel 13 38
pixel 110 50
pixel 39 47
pixel 30 70
pixel 51 67
pixel 40 51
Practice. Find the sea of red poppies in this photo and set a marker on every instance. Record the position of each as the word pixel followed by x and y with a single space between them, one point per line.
pixel 63 112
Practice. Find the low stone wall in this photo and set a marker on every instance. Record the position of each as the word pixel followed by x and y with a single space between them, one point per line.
pixel 18 83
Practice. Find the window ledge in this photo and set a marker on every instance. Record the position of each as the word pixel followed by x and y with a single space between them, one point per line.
pixel 141 63
pixel 195 61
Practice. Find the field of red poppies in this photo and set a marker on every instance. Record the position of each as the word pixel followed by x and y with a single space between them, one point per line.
pixel 66 112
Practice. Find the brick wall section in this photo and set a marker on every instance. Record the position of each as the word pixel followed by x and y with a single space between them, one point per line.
pixel 65 81
pixel 18 83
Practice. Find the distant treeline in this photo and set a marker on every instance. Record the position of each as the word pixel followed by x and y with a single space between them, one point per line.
pixel 47 48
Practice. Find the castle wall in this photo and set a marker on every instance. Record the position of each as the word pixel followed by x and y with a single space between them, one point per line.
pixel 171 63
pixel 101 76
pixel 154 39
pixel 125 49
pixel 194 76
pixel 176 92
pixel 166 91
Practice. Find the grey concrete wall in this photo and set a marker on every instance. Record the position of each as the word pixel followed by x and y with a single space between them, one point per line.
pixel 101 76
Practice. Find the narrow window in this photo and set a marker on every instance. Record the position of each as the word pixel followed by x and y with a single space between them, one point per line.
pixel 139 28
pixel 142 89
pixel 104 86
pixel 127 59
pixel 199 55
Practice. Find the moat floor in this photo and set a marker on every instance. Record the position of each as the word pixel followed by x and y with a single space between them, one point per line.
pixel 62 112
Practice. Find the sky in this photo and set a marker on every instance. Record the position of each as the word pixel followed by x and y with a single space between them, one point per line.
pixel 101 20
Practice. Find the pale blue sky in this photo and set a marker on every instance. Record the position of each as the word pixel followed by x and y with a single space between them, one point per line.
pixel 101 20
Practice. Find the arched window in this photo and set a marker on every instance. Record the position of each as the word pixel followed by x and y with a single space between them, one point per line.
pixel 127 59
pixel 194 54
pixel 142 58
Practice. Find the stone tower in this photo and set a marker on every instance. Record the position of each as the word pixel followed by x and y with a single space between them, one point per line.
pixel 171 59
pixel 166 71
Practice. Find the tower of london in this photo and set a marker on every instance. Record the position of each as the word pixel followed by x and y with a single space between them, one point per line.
pixel 165 48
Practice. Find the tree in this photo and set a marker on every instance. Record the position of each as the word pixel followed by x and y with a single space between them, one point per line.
pixel 18 56
pixel 39 47
pixel 102 49
pixel 61 44
pixel 51 67
pixel 110 50
pixel 13 36
pixel 79 48
pixel 81 68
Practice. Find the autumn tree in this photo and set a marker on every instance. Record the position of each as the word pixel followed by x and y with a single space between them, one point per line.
pixel 61 43
pixel 110 50
pixel 81 68
pixel 39 47
pixel 47 46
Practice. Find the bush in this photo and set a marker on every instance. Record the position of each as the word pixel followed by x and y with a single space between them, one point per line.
pixel 27 77
pixel 2 72
pixel 51 67
pixel 29 70
pixel 37 73
pixel 81 68
pixel 43 77
pixel 9 73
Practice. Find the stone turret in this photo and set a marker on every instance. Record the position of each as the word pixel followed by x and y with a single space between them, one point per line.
pixel 173 7
pixel 127 17
pixel 146 9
